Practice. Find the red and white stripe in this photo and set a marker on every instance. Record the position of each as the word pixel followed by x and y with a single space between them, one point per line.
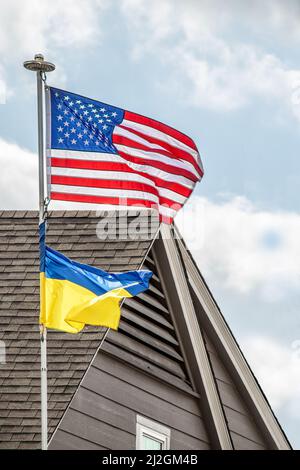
pixel 156 167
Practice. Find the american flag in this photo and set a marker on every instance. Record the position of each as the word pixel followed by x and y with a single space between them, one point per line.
pixel 102 154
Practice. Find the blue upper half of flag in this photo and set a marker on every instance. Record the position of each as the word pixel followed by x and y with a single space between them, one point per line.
pixel 57 266
pixel 82 124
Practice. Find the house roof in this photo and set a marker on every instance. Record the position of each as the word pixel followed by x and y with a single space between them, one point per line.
pixel 174 333
pixel 75 234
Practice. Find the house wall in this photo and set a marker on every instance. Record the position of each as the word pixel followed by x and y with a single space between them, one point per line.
pixel 139 369
pixel 244 431
pixel 103 413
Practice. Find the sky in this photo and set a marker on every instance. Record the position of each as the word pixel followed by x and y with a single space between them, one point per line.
pixel 228 75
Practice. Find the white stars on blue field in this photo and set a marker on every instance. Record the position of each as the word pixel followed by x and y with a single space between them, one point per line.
pixel 78 123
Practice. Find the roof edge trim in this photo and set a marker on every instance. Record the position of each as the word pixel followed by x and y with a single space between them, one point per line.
pixel 196 339
pixel 233 351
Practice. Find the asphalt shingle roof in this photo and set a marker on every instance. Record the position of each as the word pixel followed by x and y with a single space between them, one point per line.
pixel 74 234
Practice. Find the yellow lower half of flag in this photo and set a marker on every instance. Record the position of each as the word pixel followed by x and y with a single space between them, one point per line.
pixel 68 307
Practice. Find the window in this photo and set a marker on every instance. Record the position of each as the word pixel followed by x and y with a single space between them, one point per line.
pixel 151 435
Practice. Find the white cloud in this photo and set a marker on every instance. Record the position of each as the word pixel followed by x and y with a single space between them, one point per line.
pixel 277 368
pixel 213 65
pixel 47 26
pixel 18 177
pixel 242 247
pixel 210 65
pixel 5 90
pixel 231 81
pixel 37 25
pixel 2 91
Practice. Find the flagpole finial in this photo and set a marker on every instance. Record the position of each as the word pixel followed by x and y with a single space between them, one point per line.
pixel 39 64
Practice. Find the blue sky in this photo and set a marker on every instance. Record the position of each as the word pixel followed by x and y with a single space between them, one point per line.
pixel 228 76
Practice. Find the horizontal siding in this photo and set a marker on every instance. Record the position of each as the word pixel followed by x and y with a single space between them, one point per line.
pixel 149 339
pixel 72 442
pixel 148 313
pixel 242 443
pixel 153 303
pixel 95 431
pixel 146 337
pixel 242 427
pixel 146 366
pixel 145 352
pixel 244 430
pixel 104 409
pixel 142 402
pixel 146 325
pixel 180 441
pixel 153 386
pixel 230 396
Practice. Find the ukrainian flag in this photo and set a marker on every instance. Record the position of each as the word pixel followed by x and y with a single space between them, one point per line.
pixel 75 294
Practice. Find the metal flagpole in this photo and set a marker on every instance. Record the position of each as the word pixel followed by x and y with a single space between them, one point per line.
pixel 39 66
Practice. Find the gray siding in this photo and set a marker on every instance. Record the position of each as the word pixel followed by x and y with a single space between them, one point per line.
pixel 104 409
pixel 244 432
pixel 146 336
pixel 139 370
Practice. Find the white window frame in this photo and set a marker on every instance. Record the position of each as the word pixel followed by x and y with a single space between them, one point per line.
pixel 152 429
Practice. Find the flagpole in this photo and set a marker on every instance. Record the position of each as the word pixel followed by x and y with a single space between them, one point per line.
pixel 39 66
